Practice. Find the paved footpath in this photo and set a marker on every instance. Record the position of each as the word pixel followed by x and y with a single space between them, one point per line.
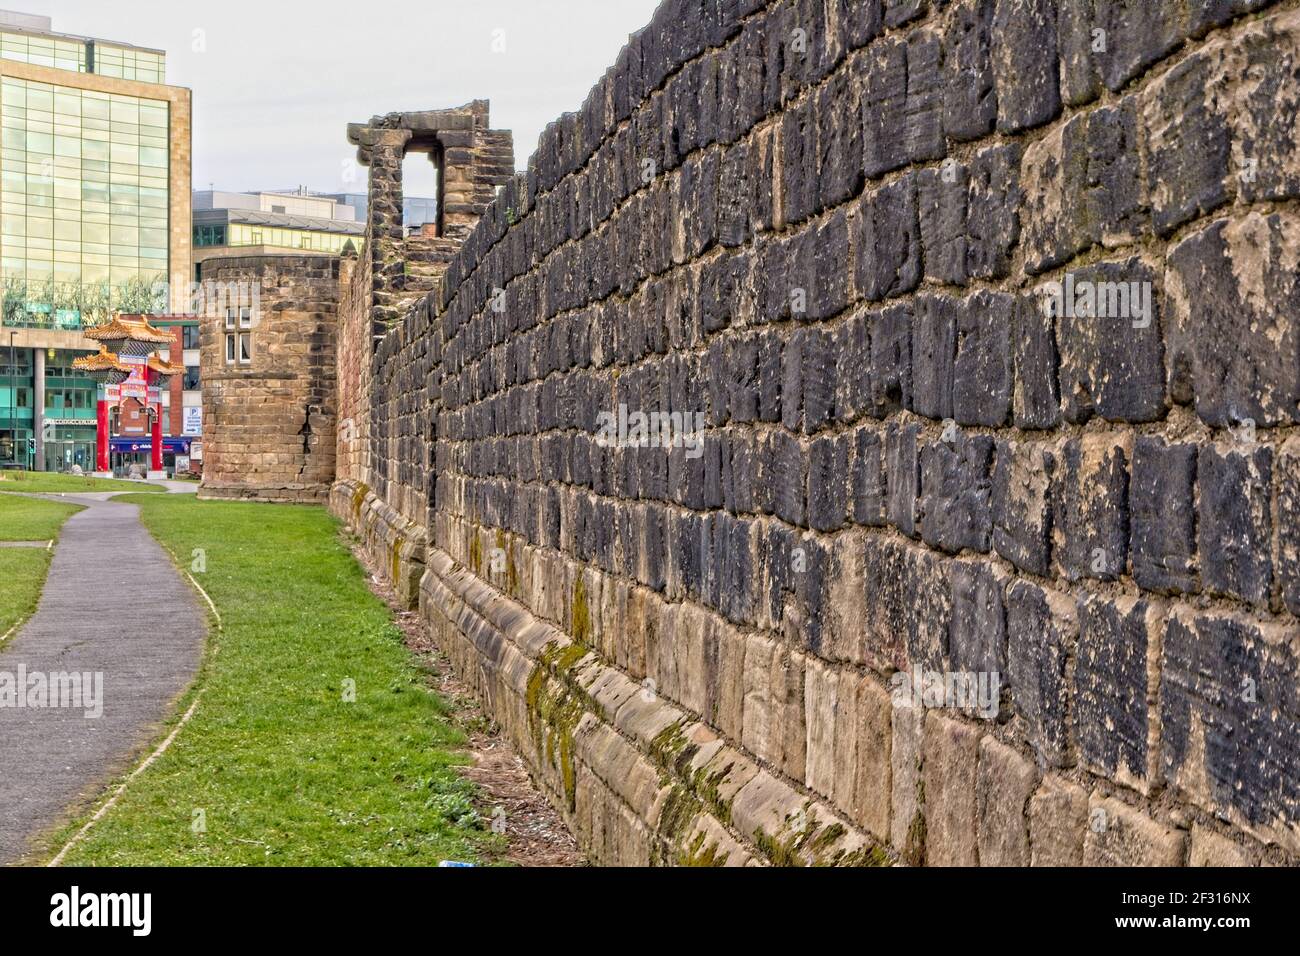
pixel 113 604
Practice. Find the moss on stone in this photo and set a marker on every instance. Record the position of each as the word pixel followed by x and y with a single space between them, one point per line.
pixel 701 853
pixel 395 560
pixel 914 849
pixel 476 554
pixel 359 498
pixel 555 705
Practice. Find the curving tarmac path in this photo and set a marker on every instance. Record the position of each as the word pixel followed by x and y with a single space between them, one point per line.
pixel 114 604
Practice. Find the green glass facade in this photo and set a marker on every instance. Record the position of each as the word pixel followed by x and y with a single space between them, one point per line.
pixel 69 413
pixel 84 56
pixel 244 234
pixel 84 227
pixel 83 192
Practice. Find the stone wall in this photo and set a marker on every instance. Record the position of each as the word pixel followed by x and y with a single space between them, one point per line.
pixel 385 422
pixel 830 227
pixel 269 427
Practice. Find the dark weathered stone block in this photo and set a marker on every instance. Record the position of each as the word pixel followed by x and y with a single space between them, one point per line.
pixel 887 241
pixel 956 493
pixel 853 368
pixel 993 211
pixel 1024 63
pixel 789 471
pixel 1109 338
pixel 818 378
pixel 1090 514
pixel 1187 146
pixel 891 359
pixel 969 102
pixel 1235 524
pixel 934 346
pixel 884 97
pixel 941 201
pixel 1041 632
pixel 869 496
pixel 1114 678
pixel 981 391
pixel 1233 346
pixel 923 126
pixel 828 483
pixel 902 477
pixel 1230 716
pixel 1161 497
pixel 977 641
pixel 1021 501
pixel 1076 36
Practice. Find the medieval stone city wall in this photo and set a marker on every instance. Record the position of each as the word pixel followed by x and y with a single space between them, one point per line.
pixel 829 227
pixel 269 427
pixel 385 434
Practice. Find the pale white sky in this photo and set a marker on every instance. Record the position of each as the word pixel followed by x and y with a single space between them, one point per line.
pixel 276 83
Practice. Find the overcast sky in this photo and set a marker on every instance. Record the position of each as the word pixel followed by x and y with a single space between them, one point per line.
pixel 275 83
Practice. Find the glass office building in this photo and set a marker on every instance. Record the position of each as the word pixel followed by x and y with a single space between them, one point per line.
pixel 230 223
pixel 93 146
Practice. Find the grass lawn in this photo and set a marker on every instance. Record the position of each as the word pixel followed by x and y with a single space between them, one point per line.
pixel 277 765
pixel 39 481
pixel 31 519
pixel 23 572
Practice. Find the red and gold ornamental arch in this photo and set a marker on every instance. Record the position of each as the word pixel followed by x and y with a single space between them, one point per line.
pixel 128 367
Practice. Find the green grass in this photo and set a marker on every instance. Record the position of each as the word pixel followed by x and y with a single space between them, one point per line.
pixel 285 771
pixel 23 572
pixel 40 481
pixel 32 519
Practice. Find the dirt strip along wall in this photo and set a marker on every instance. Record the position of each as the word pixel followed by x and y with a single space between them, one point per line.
pixel 834 229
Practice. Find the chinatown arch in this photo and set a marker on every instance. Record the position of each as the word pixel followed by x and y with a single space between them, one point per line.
pixel 127 368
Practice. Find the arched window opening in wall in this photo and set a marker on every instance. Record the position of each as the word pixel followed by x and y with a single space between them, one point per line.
pixel 422 190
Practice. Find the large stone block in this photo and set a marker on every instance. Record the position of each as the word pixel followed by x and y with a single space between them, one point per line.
pixel 887 241
pixel 969 100
pixel 977 638
pixel 1042 629
pixel 1024 63
pixel 1119 835
pixel 1090 513
pixel 956 493
pixel 1058 817
pixel 1186 144
pixel 1230 716
pixel 1163 514
pixel 1115 681
pixel 1231 309
pixel 993 211
pixel 1021 501
pixel 982 376
pixel 1109 338
pixel 1005 783
pixel 1235 523
pixel 891 359
pixel 949 773
pixel 942 195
